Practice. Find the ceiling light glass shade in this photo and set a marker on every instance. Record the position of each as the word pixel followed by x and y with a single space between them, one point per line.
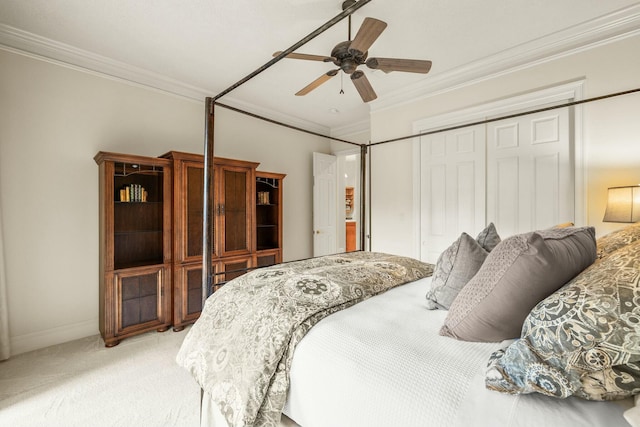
pixel 623 204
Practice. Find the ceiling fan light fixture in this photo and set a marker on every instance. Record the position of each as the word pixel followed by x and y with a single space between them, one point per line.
pixel 349 66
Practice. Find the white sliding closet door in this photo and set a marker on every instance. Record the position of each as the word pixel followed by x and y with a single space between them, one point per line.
pixel 452 182
pixel 530 172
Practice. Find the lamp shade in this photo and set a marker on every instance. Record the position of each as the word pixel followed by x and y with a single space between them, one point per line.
pixel 623 204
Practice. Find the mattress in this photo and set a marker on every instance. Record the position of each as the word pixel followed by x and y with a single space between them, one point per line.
pixel 383 363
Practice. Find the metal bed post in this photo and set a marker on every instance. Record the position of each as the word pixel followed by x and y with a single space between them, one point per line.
pixel 208 200
pixel 363 194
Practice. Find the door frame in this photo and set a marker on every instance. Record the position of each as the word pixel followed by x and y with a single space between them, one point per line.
pixel 561 94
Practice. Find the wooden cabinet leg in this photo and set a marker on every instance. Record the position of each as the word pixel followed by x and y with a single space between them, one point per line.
pixel 111 343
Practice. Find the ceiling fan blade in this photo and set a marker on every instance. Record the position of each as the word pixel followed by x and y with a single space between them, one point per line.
pixel 363 86
pixel 305 56
pixel 317 82
pixel 369 31
pixel 393 64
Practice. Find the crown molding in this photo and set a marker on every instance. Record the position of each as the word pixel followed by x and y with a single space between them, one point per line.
pixel 597 32
pixel 38 47
pixel 63 54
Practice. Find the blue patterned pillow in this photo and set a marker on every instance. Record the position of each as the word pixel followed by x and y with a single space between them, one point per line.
pixel 583 340
pixel 615 240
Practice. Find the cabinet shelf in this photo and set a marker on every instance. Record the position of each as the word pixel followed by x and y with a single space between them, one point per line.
pixel 121 203
pixel 132 265
pixel 122 233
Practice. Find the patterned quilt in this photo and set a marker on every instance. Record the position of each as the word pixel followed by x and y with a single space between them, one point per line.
pixel 240 349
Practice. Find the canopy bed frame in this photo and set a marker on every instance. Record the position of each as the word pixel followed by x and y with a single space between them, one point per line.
pixel 365 150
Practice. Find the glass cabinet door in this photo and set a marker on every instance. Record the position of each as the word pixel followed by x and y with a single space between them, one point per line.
pixel 194 179
pixel 234 210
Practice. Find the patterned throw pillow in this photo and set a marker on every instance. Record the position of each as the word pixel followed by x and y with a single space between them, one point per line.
pixel 488 238
pixel 583 340
pixel 519 273
pixel 457 265
pixel 618 239
pixel 454 268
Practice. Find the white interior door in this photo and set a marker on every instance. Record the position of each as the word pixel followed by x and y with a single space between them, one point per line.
pixel 452 188
pixel 530 173
pixel 324 204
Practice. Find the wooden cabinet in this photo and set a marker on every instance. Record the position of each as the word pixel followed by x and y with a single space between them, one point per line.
pixel 268 218
pixel 234 206
pixel 234 237
pixel 151 244
pixel 135 245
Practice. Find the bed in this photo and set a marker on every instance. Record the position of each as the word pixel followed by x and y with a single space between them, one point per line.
pixel 381 357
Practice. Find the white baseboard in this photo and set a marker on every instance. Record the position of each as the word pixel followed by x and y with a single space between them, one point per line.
pixel 37 340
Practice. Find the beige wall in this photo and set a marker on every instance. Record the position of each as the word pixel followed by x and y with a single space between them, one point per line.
pixel 53 120
pixel 611 134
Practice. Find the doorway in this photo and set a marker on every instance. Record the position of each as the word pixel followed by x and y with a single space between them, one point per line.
pixel 336 203
pixel 349 189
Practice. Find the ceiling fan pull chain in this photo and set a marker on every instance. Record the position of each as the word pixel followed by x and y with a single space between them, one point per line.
pixel 341 86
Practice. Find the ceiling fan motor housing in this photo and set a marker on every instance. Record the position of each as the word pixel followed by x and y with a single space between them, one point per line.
pixel 347 60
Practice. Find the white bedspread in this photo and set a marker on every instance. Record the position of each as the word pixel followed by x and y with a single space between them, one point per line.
pixel 382 363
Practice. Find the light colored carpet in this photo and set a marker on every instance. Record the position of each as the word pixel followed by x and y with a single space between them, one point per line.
pixel 82 383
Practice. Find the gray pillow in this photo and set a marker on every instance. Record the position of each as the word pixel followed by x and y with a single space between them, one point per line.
pixel 488 238
pixel 454 268
pixel 583 340
pixel 520 272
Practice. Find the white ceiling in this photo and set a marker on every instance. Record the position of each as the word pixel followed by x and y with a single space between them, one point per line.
pixel 198 48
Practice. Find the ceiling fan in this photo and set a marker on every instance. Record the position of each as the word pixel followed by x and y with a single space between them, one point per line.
pixel 350 54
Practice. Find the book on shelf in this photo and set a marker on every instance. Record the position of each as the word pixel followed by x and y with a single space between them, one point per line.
pixel 133 193
pixel 263 197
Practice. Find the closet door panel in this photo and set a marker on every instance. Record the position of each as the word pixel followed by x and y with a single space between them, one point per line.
pixel 530 182
pixel 546 190
pixel 466 200
pixel 452 188
pixel 437 202
pixel 503 194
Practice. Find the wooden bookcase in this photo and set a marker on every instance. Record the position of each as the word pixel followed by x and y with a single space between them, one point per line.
pixel 151 236
pixel 135 245
pixel 268 218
